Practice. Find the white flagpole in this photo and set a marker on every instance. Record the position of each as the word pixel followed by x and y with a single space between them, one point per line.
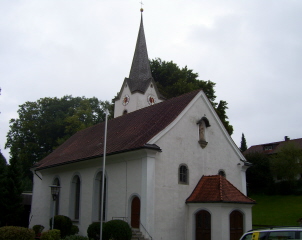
pixel 103 174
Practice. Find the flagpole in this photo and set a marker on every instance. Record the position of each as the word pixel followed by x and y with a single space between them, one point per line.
pixel 103 174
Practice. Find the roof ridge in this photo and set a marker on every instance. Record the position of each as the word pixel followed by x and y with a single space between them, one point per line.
pixel 220 186
pixel 195 188
pixel 238 190
pixel 216 188
pixel 160 103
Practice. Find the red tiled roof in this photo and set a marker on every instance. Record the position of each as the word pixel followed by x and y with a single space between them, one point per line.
pixel 276 146
pixel 125 133
pixel 216 188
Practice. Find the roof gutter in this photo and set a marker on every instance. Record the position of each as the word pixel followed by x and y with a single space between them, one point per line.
pixel 146 146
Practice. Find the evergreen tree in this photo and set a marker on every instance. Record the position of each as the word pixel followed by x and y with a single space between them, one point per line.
pixel 243 145
pixel 3 189
pixel 14 184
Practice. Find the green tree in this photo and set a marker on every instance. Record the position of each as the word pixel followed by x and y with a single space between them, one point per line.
pixel 258 177
pixel 286 163
pixel 221 112
pixel 243 145
pixel 172 81
pixel 3 189
pixel 43 125
pixel 14 184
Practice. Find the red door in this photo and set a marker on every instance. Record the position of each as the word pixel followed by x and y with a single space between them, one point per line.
pixel 135 212
pixel 236 225
pixel 203 225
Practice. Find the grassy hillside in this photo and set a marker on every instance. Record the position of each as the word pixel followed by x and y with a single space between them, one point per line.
pixel 277 210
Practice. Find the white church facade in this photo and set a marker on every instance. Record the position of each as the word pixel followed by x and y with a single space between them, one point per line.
pixel 172 170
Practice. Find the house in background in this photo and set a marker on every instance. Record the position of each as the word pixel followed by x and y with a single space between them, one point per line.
pixel 172 170
pixel 273 147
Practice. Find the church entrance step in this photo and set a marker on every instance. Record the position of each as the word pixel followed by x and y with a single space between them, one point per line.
pixel 137 235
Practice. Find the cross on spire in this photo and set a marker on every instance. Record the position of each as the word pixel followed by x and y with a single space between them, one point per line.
pixel 141 2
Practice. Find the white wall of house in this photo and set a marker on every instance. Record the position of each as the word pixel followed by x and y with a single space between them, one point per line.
pixel 180 145
pixel 153 177
pixel 124 180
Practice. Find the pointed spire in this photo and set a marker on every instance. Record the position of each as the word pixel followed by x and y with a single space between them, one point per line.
pixel 140 69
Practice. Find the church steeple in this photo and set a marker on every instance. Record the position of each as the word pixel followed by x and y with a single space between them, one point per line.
pixel 140 69
pixel 139 90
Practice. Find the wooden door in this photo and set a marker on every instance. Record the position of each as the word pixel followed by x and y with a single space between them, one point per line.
pixel 203 225
pixel 135 212
pixel 236 225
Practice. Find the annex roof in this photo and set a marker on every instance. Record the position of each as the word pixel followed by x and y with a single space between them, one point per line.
pixel 273 147
pixel 129 132
pixel 217 189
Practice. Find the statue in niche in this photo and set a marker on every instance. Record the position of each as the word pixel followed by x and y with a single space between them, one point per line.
pixel 201 131
pixel 202 140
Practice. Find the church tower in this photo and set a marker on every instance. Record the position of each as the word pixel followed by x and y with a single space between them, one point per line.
pixel 139 90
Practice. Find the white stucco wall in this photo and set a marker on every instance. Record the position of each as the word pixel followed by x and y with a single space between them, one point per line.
pixel 180 145
pixel 153 177
pixel 124 180
pixel 220 215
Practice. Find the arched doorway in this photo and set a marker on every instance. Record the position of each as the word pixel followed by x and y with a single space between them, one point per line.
pixel 236 225
pixel 203 225
pixel 135 212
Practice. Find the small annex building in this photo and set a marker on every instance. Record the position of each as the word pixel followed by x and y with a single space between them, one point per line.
pixel 172 170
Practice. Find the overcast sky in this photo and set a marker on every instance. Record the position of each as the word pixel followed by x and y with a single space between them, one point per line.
pixel 251 49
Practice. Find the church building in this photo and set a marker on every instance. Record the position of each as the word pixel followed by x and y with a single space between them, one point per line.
pixel 172 170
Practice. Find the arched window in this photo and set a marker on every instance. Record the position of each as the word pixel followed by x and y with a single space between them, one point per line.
pixel 125 112
pixel 98 195
pixel 236 225
pixel 221 173
pixel 183 174
pixel 75 197
pixel 203 225
pixel 57 202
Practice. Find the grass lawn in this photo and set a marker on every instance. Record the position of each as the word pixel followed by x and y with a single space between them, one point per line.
pixel 277 210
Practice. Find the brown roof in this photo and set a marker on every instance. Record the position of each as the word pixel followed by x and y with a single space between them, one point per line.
pixel 213 189
pixel 276 146
pixel 125 133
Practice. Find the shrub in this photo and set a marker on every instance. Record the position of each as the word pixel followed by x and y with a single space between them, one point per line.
pixel 38 229
pixel 93 231
pixel 76 237
pixel 53 234
pixel 117 230
pixel 62 223
pixel 74 230
pixel 13 233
